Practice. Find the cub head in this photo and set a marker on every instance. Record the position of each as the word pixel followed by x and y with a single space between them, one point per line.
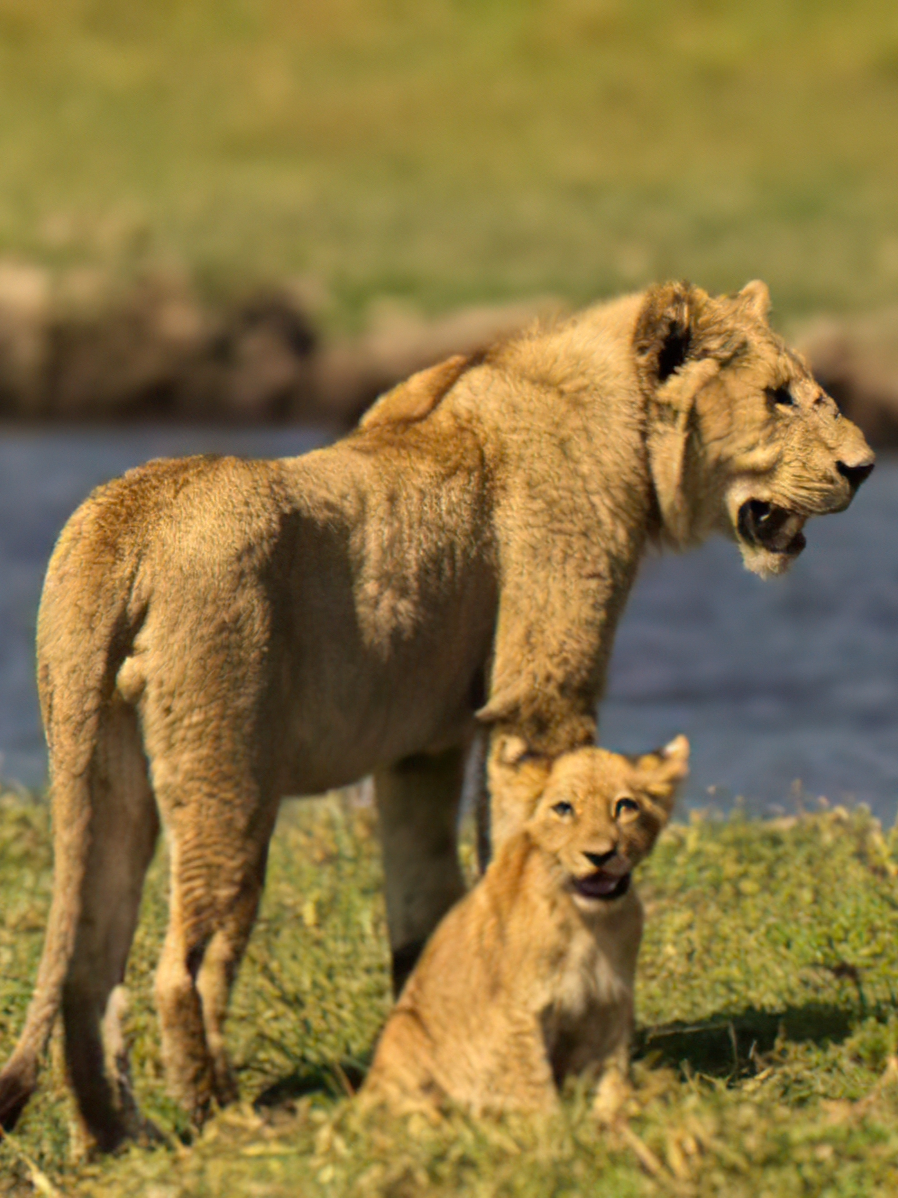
pixel 741 437
pixel 600 814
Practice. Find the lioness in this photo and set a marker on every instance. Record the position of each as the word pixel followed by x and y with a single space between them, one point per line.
pixel 530 977
pixel 215 633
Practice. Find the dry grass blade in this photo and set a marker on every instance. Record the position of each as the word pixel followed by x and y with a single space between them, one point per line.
pixel 38 1178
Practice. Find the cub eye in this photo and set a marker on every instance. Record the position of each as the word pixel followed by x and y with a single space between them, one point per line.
pixel 624 805
pixel 780 395
pixel 563 808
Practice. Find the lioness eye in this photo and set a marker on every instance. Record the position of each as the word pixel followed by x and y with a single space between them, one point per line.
pixel 624 805
pixel 563 808
pixel 780 395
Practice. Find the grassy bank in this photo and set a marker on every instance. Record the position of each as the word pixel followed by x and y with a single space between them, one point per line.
pixel 445 151
pixel 768 1044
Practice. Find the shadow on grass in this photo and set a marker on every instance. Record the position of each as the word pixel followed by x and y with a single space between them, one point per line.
pixel 731 1045
pixel 725 1046
pixel 335 1079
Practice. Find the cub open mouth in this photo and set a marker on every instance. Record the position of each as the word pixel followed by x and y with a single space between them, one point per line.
pixel 602 885
pixel 775 529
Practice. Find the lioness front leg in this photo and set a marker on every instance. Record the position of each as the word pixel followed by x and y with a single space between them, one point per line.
pixel 417 803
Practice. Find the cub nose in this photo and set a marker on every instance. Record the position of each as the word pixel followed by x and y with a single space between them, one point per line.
pixel 855 474
pixel 599 859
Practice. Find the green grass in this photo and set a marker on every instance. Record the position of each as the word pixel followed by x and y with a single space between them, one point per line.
pixel 446 151
pixel 767 1054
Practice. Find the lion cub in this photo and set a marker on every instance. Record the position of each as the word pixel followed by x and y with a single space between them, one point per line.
pixel 530 977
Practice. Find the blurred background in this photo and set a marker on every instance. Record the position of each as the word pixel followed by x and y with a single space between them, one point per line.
pixel 228 224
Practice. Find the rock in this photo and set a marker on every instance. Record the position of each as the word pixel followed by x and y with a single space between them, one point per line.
pixel 856 360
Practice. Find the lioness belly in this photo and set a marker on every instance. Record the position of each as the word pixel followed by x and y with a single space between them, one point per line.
pixel 324 709
pixel 339 731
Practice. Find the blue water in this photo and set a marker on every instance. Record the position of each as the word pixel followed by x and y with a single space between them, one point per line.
pixel 786 688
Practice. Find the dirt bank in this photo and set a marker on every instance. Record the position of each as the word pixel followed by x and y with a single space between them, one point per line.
pixel 856 360
pixel 77 345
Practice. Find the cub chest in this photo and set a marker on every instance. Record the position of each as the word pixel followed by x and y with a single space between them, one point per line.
pixel 588 1008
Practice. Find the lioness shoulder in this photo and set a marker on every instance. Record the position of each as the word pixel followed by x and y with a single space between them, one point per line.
pixel 530 977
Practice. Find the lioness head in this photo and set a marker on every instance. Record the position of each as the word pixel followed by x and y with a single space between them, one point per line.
pixel 741 437
pixel 600 814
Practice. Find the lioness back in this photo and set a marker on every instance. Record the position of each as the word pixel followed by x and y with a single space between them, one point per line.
pixel 530 977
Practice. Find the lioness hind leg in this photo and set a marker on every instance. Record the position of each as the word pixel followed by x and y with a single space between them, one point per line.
pixel 417 802
pixel 219 970
pixel 123 831
pixel 218 856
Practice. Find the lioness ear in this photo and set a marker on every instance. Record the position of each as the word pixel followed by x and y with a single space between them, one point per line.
pixel 667 439
pixel 665 331
pixel 667 348
pixel 756 297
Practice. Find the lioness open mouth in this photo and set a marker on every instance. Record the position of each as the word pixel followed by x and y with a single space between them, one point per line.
pixel 602 885
pixel 775 529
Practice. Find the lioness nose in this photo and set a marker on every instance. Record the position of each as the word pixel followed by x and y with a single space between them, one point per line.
pixel 599 859
pixel 855 474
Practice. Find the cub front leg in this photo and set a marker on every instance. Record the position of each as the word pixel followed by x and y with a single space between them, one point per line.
pixel 417 803
pixel 518 1075
pixel 614 1088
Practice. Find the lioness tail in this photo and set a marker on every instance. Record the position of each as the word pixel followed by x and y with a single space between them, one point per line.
pixel 74 688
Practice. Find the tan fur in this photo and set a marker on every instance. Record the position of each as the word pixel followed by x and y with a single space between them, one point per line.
pixel 417 397
pixel 528 980
pixel 216 633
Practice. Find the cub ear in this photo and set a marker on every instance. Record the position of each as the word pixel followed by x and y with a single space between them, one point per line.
pixel 755 296
pixel 516 779
pixel 675 757
pixel 665 333
pixel 513 750
pixel 664 769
